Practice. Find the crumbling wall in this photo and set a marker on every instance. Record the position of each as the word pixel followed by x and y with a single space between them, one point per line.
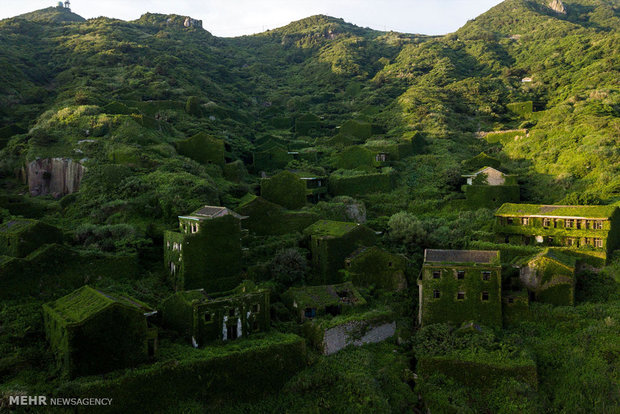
pixel 55 176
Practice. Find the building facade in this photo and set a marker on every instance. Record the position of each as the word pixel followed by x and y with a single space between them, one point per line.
pixel 593 230
pixel 457 286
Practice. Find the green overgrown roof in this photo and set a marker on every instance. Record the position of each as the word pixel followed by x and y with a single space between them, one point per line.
pixel 17 226
pixel 557 256
pixel 511 209
pixel 324 295
pixel 329 228
pixel 82 304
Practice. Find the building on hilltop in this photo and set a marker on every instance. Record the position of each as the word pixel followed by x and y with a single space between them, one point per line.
pixel 227 316
pixel 490 187
pixel 92 332
pixel 206 251
pixel 456 286
pixel 590 230
pixel 309 302
pixel 330 242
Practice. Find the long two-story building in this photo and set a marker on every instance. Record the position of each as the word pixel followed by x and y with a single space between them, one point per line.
pixel 589 229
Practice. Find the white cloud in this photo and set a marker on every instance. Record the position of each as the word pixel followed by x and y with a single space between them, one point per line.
pixel 237 17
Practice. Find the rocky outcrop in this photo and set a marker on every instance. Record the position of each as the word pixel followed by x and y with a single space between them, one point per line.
pixel 189 22
pixel 557 6
pixel 55 176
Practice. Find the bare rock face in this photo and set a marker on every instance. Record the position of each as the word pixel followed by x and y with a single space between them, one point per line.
pixel 557 6
pixel 189 22
pixel 55 176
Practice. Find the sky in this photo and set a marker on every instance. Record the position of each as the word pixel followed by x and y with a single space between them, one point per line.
pixel 228 18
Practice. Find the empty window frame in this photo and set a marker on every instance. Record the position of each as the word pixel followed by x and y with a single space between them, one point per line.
pixel 546 222
pixel 569 223
pixel 255 307
pixel 485 296
pixel 436 274
pixel 460 296
pixel 486 275
pixel 509 220
pixel 436 294
pixel 598 243
pixel 208 317
pixel 460 274
pixel 597 225
pixel 525 221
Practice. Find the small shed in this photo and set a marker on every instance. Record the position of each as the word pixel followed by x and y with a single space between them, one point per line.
pixel 92 332
pixel 550 276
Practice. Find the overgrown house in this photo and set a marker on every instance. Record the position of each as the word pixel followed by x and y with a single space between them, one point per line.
pixel 331 242
pixel 309 302
pixel 206 251
pixel 592 230
pixel 457 286
pixel 202 318
pixel 92 332
pixel 490 187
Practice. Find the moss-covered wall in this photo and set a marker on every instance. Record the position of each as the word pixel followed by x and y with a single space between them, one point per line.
pixel 556 282
pixel 54 267
pixel 307 125
pixel 203 148
pixel 448 308
pixel 360 184
pixel 250 371
pixel 274 158
pixel 478 373
pixel 521 108
pixel 376 267
pixel 480 161
pixel 358 129
pixel 114 338
pixel 329 253
pixel 19 238
pixel 356 157
pixel 235 171
pixel 515 308
pixel 490 196
pixel 266 218
pixel 285 189
pixel 211 258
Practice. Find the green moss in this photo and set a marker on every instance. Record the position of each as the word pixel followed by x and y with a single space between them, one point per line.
pixel 307 125
pixel 515 308
pixel 203 148
pixel 504 137
pixel 376 267
pixel 510 209
pixel 21 237
pixel 328 228
pixel 274 158
pixel 356 157
pixel 321 297
pixel 490 196
pixel 359 129
pixel 358 184
pixel 285 189
pixel 480 161
pixel 521 108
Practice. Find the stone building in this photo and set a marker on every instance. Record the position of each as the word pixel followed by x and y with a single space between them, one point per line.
pixel 590 230
pixel 206 251
pixel 203 318
pixel 54 176
pixel 489 187
pixel 372 266
pixel 92 332
pixel 457 286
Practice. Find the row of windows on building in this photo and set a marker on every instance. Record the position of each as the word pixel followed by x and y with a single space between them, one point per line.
pixel 175 246
pixel 484 296
pixel 193 227
pixel 460 274
pixel 208 316
pixel 578 224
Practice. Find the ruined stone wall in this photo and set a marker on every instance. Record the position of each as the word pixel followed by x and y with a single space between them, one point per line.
pixel 55 176
pixel 355 333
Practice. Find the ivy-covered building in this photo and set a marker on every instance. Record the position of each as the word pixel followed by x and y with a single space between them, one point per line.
pixel 490 187
pixel 330 242
pixel 309 302
pixel 202 318
pixel 20 237
pixel 286 189
pixel 372 266
pixel 206 251
pixel 591 230
pixel 265 218
pixel 316 186
pixel 92 332
pixel 550 276
pixel 456 286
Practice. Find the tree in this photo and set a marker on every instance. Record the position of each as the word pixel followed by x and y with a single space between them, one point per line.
pixel 289 266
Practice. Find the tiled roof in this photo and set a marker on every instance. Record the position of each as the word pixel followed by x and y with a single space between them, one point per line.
pixel 461 256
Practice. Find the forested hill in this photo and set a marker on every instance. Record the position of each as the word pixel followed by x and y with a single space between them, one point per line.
pixel 125 85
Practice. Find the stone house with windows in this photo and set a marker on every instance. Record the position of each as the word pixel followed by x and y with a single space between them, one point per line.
pixel 309 302
pixel 93 332
pixel 490 187
pixel 492 176
pixel 591 230
pixel 316 186
pixel 206 251
pixel 202 318
pixel 330 242
pixel 456 286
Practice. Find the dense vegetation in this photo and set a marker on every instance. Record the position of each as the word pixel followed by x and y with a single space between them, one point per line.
pixel 142 105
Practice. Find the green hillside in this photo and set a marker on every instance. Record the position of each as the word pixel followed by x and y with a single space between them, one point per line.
pixel 130 101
